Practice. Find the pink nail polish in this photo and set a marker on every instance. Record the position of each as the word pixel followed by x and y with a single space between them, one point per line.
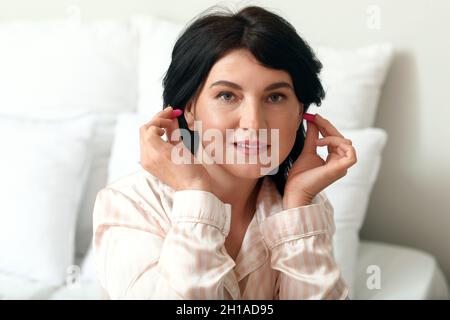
pixel 176 113
pixel 309 117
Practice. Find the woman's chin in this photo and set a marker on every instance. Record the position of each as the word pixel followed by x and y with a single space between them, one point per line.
pixel 248 171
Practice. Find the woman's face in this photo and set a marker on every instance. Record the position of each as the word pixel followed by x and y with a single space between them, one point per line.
pixel 246 97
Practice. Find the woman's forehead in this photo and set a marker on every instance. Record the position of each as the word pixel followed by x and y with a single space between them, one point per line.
pixel 240 66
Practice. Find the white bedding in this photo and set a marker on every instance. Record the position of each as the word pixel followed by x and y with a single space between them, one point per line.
pixel 20 288
pixel 406 273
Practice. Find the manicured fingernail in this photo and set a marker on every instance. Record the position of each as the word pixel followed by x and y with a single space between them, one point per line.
pixel 177 113
pixel 309 117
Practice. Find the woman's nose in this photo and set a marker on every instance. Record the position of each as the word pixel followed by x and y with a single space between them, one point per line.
pixel 252 116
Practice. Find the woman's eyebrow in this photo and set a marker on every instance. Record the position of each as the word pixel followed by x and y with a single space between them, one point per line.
pixel 273 86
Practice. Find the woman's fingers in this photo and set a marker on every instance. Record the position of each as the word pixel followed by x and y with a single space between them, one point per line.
pixel 326 127
pixel 349 158
pixel 333 140
pixel 342 146
pixel 172 126
pixel 312 134
pixel 151 134
pixel 157 130
pixel 165 119
pixel 160 122
pixel 161 114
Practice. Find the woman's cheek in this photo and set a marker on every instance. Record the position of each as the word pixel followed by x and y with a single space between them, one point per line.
pixel 287 139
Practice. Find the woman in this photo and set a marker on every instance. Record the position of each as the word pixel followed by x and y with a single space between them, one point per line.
pixel 226 229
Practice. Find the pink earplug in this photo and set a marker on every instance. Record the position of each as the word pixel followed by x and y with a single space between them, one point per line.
pixel 309 117
pixel 176 113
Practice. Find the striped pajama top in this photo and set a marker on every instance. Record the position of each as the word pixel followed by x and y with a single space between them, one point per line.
pixel 152 242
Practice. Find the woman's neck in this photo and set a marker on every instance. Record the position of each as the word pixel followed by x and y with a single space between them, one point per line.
pixel 241 193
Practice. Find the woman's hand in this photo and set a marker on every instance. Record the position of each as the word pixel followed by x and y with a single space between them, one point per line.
pixel 310 174
pixel 156 154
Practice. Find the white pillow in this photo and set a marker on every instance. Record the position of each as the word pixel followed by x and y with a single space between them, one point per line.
pixel 44 166
pixel 352 79
pixel 102 140
pixel 125 154
pixel 350 196
pixel 157 36
pixel 124 159
pixel 19 288
pixel 62 65
pixel 111 137
pixel 88 273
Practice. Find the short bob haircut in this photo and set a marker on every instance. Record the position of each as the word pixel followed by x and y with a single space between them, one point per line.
pixel 271 39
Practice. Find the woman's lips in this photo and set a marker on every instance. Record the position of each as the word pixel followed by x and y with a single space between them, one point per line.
pixel 251 147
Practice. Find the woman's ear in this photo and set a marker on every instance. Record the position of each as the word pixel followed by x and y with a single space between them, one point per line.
pixel 189 115
pixel 300 115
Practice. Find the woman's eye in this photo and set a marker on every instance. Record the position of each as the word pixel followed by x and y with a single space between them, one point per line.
pixel 226 96
pixel 229 97
pixel 278 97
